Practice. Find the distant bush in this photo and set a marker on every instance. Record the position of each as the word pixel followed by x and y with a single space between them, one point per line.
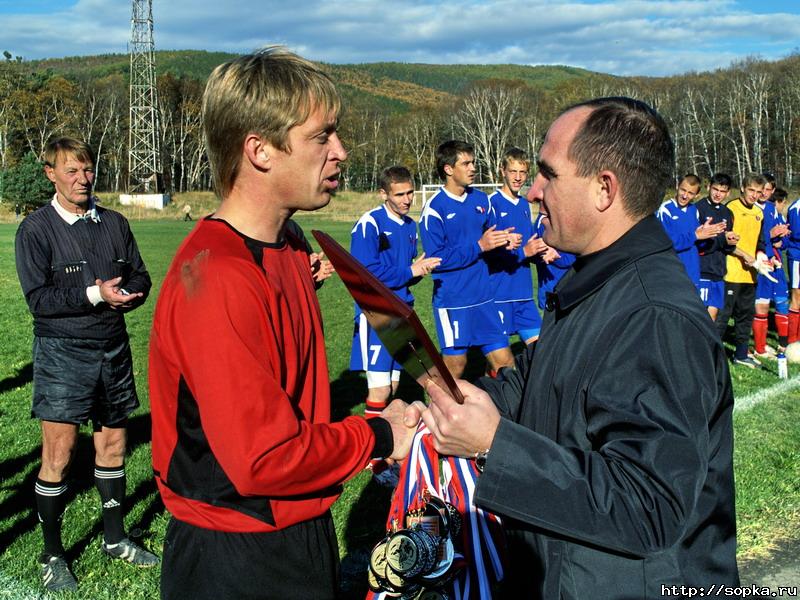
pixel 25 183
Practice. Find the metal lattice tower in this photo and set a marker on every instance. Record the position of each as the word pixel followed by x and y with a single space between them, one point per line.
pixel 143 155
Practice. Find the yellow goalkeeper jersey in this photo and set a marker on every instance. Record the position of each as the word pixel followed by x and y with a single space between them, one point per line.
pixel 747 223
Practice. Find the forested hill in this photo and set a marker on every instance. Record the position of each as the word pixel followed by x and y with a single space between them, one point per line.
pixel 396 86
pixel 736 120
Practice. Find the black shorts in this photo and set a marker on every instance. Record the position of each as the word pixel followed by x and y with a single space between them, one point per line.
pixel 78 380
pixel 300 562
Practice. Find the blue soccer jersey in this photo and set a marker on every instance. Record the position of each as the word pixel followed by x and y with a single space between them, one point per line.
pixel 386 245
pixel 792 241
pixel 509 270
pixel 680 225
pixel 770 220
pixel 450 227
pixel 548 275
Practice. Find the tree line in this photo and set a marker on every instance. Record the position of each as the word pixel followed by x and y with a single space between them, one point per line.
pixel 739 119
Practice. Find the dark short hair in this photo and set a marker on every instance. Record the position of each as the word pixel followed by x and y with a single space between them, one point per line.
pixel 779 195
pixel 69 146
pixel 395 174
pixel 631 139
pixel 722 179
pixel 691 179
pixel 756 178
pixel 447 154
pixel 769 178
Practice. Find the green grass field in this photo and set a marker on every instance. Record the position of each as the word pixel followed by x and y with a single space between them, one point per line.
pixel 767 451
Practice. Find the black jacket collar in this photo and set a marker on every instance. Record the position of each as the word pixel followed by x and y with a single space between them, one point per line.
pixel 590 272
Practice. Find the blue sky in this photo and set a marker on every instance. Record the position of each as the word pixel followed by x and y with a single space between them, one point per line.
pixel 629 37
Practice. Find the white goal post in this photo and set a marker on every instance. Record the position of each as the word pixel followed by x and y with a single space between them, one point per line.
pixel 429 190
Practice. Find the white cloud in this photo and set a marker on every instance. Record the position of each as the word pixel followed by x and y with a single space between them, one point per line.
pixel 648 37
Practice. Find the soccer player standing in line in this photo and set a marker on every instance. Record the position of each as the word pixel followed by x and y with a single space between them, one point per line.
pixel 713 251
pixel 80 271
pixel 793 255
pixel 680 221
pixel 458 227
pixel 385 241
pixel 510 273
pixel 741 265
pixel 774 230
pixel 246 458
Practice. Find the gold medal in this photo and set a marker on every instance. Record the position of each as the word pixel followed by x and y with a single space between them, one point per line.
pixel 402 553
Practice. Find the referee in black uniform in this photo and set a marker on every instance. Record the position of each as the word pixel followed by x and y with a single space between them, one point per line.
pixel 80 271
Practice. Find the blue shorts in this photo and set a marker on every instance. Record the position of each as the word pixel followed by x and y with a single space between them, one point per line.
pixel 367 352
pixel 767 291
pixel 712 293
pixel 520 317
pixel 78 380
pixel 461 328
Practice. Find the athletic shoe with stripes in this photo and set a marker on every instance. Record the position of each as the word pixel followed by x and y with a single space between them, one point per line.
pixel 56 575
pixel 131 552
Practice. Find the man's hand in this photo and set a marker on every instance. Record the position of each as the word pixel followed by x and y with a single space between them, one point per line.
pixel 115 297
pixel 321 268
pixel 514 239
pixel 461 429
pixel 731 238
pixel 779 230
pixel 764 266
pixel 492 238
pixel 708 229
pixel 404 420
pixel 550 256
pixel 535 246
pixel 423 266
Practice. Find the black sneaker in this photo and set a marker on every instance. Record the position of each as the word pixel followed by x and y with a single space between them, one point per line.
pixel 56 575
pixel 749 362
pixel 131 552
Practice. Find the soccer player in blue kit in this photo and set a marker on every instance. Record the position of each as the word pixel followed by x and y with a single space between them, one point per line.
pixel 510 270
pixel 385 241
pixel 775 287
pixel 680 221
pixel 458 226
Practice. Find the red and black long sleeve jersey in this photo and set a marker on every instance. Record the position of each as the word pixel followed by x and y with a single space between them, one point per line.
pixel 239 389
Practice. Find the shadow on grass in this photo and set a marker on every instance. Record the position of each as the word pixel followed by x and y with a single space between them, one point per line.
pixel 365 527
pixel 144 490
pixel 23 377
pixel 20 504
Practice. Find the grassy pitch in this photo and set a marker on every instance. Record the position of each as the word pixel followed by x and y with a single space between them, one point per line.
pixel 767 444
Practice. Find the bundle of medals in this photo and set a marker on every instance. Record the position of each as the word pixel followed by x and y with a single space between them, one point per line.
pixel 413 561
pixel 438 544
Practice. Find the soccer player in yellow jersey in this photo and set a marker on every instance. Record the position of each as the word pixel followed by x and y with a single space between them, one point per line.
pixel 740 277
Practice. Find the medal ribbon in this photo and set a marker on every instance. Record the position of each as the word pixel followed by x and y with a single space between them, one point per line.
pixel 453 480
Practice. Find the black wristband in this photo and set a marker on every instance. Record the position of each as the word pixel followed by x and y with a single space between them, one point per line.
pixel 384 440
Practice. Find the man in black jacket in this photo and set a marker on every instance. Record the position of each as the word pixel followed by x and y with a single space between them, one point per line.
pixel 608 450
pixel 80 271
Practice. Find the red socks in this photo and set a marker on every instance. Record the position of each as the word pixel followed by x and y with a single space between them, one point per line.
pixel 760 323
pixel 794 325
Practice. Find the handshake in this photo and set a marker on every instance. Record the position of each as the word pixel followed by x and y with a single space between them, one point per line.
pixel 457 429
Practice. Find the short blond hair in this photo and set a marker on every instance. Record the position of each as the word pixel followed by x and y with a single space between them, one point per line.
pixel 68 146
pixel 265 93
